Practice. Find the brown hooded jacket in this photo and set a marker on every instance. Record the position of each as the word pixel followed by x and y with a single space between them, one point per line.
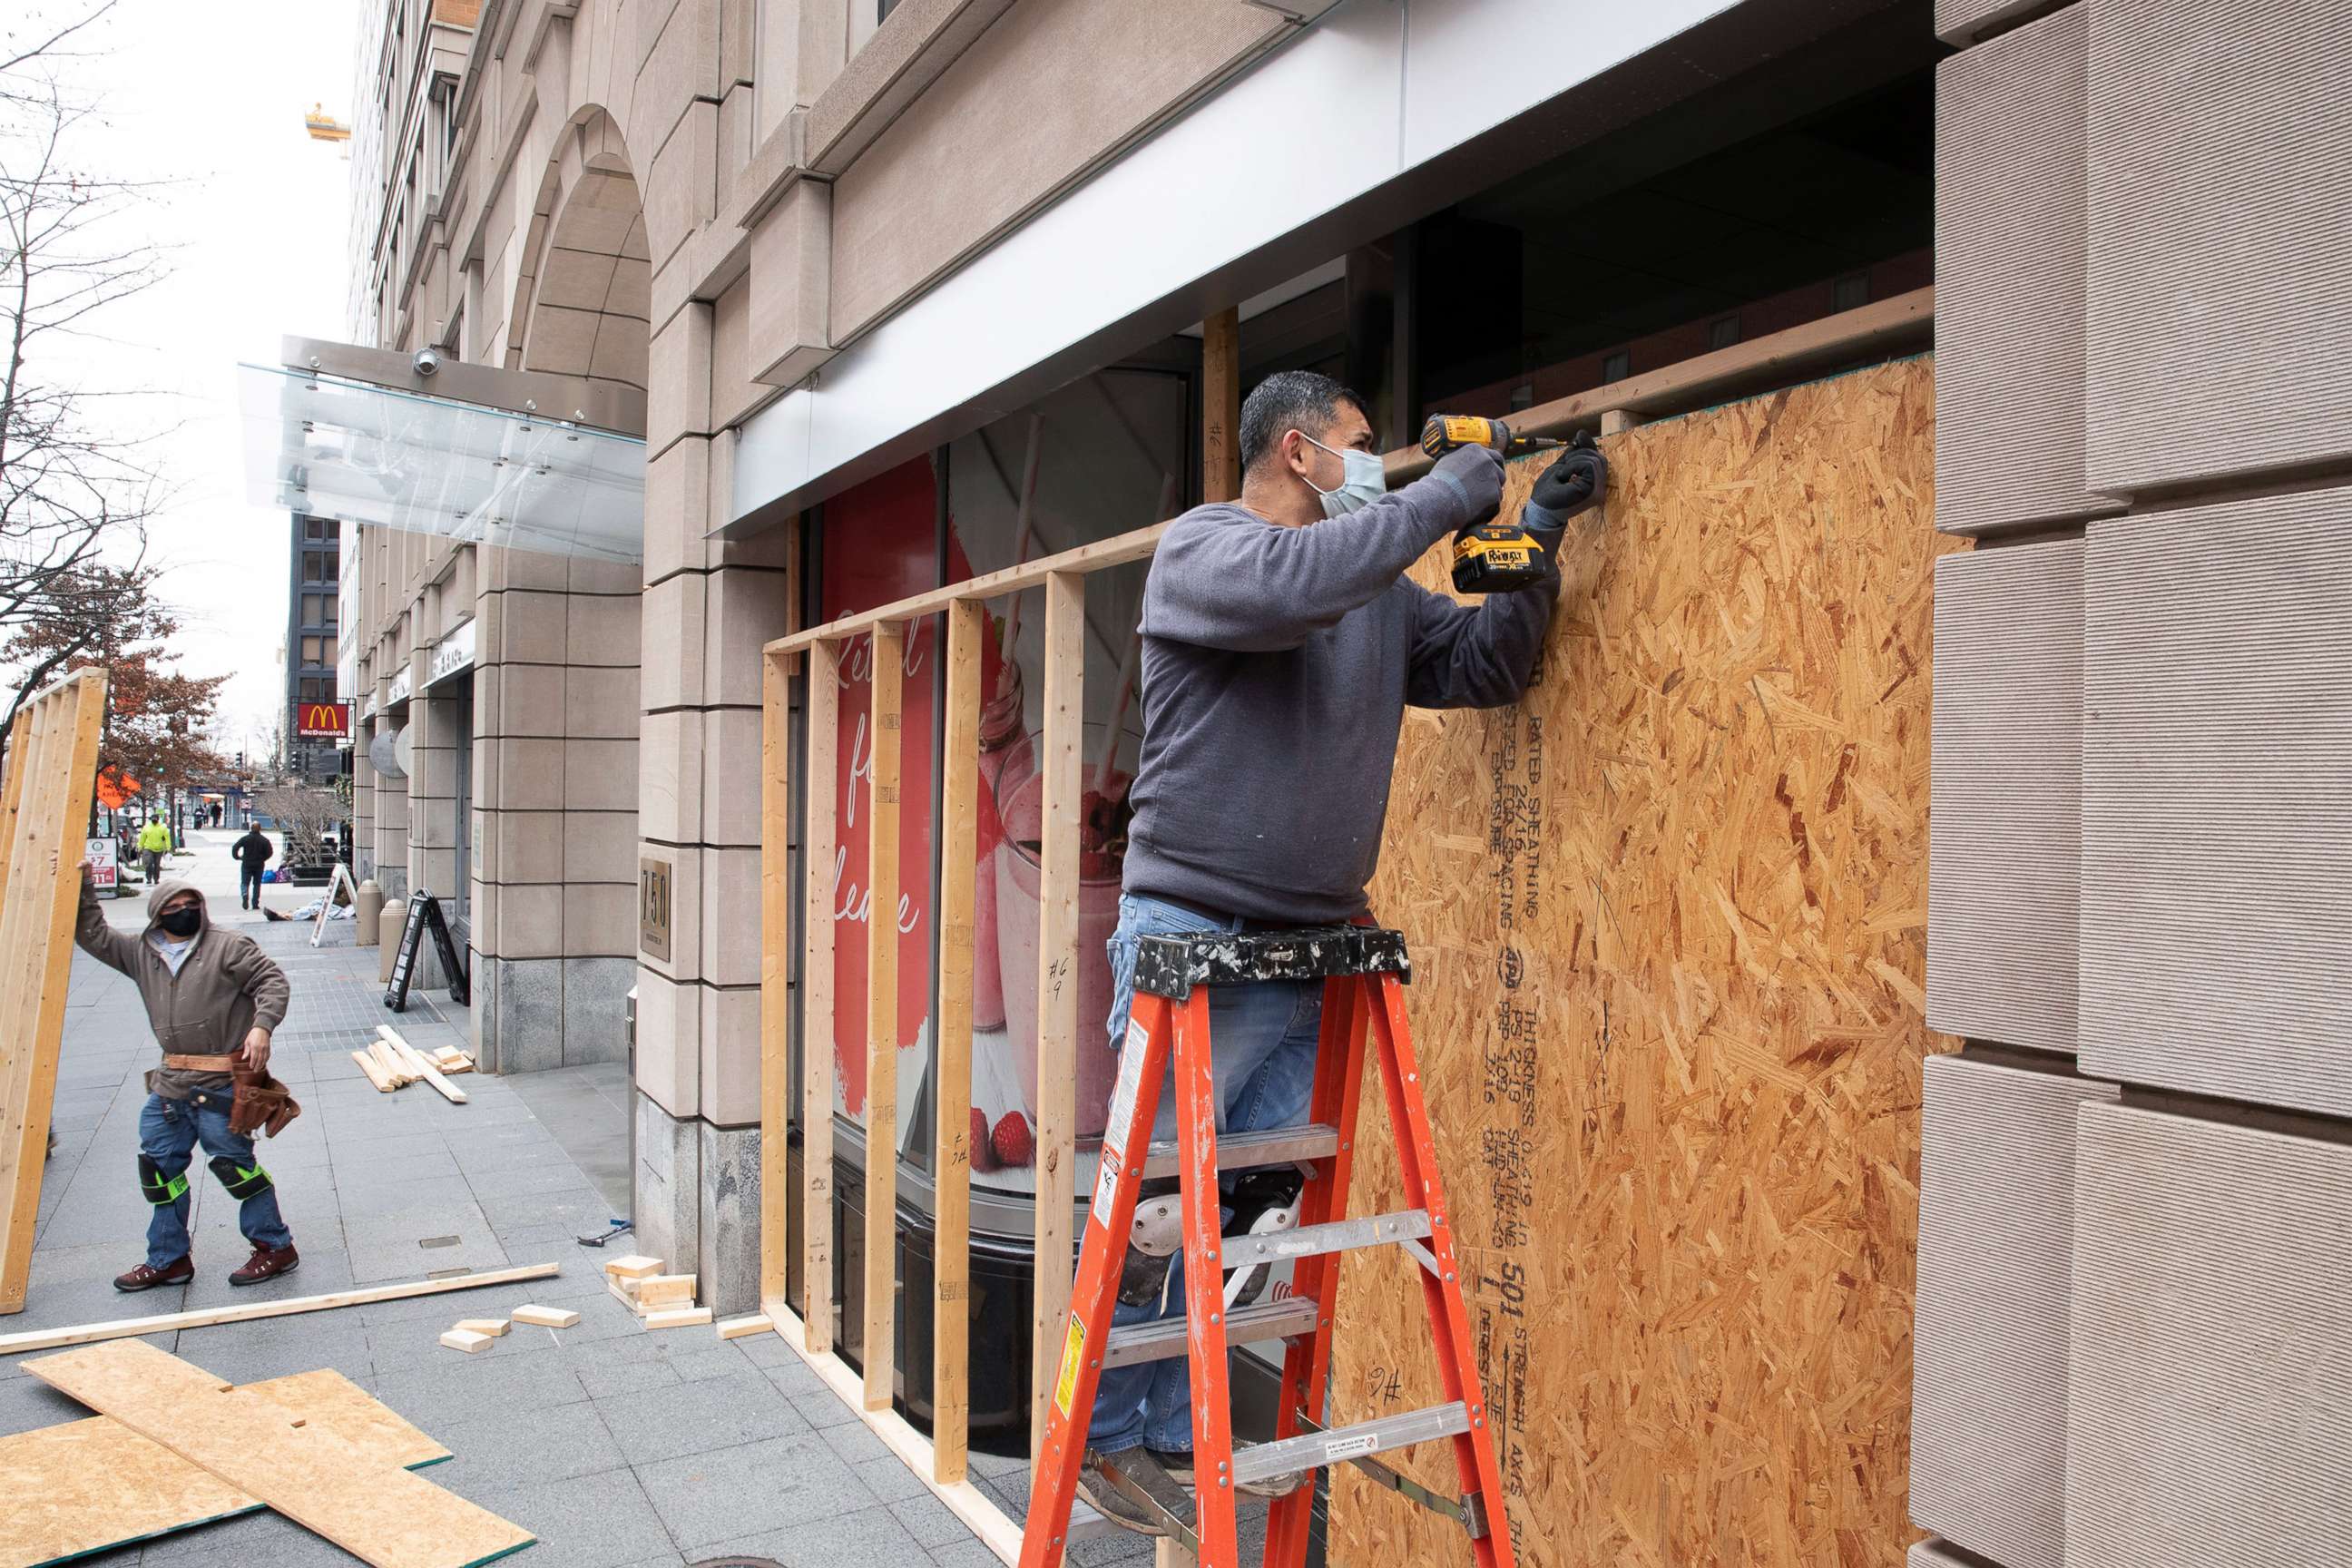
pixel 227 986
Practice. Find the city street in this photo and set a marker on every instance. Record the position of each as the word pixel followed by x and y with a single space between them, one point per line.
pixel 615 1445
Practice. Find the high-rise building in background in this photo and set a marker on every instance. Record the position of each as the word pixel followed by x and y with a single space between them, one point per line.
pixel 314 616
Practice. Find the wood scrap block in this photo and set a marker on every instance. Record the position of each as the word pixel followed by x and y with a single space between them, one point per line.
pixel 102 1485
pixel 741 1328
pixel 467 1339
pixel 496 1327
pixel 375 1074
pixel 417 1066
pixel 634 1267
pixel 679 1318
pixel 623 1297
pixel 545 1317
pixel 665 1289
pixel 381 1513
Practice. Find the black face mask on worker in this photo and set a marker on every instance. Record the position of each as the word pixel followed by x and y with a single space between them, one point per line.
pixel 185 922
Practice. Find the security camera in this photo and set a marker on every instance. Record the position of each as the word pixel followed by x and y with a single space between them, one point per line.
pixel 426 362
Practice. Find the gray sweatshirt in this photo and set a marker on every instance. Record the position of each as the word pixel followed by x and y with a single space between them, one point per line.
pixel 1278 663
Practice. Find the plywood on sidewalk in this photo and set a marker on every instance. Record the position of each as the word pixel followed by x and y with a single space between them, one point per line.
pixel 379 1512
pixel 52 767
pixel 91 1485
pixel 1667 918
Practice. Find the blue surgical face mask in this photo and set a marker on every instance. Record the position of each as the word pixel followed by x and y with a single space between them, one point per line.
pixel 1362 481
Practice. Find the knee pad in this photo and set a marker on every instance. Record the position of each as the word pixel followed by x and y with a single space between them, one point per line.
pixel 243 1182
pixel 1153 1241
pixel 158 1186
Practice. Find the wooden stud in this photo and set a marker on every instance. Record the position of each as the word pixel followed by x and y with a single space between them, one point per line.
pixel 775 975
pixel 12 795
pixel 664 1289
pixel 819 832
pixel 951 1148
pixel 494 1328
pixel 636 1265
pixel 376 1073
pixel 467 1339
pixel 420 1065
pixel 742 1328
pixel 39 912
pixel 168 1322
pixel 679 1318
pixel 545 1317
pixel 889 661
pixel 1220 405
pixel 1057 990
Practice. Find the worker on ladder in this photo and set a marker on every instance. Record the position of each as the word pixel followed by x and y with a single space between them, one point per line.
pixel 1281 645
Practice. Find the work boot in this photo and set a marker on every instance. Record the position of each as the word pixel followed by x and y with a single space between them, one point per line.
pixel 146 1277
pixel 266 1263
pixel 1109 1501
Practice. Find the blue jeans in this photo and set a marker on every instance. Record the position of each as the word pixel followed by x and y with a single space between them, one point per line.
pixel 1261 1039
pixel 248 887
pixel 168 1129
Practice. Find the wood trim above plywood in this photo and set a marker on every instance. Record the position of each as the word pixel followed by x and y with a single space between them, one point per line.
pixel 1886 327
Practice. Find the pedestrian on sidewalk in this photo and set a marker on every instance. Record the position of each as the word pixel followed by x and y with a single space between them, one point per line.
pixel 253 852
pixel 213 998
pixel 155 842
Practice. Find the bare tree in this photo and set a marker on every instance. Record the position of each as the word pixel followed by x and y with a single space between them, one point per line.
pixel 307 814
pixel 75 495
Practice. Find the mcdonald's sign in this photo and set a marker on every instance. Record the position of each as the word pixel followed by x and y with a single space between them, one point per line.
pixel 323 721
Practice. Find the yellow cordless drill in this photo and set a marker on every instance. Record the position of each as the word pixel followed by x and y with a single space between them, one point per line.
pixel 1499 557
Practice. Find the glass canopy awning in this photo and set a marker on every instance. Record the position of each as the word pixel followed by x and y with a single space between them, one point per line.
pixel 325 438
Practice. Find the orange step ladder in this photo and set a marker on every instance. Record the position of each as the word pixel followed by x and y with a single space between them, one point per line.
pixel 1363 970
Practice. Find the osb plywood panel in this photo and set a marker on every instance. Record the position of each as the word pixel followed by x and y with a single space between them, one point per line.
pixel 84 1486
pixel 2005 835
pixel 2219 162
pixel 378 1512
pixel 2217 801
pixel 1996 1270
pixel 2209 1421
pixel 2009 245
pixel 1667 918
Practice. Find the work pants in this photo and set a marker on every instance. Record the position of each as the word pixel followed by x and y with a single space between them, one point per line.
pixel 1262 1041
pixel 168 1129
pixel 152 862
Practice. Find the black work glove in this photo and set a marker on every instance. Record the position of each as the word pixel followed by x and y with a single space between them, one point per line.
pixel 1573 483
pixel 1475 474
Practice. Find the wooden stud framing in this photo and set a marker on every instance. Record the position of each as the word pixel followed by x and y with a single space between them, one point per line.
pixel 1220 405
pixel 951 1152
pixel 1057 986
pixel 58 757
pixel 775 973
pixel 882 1017
pixel 817 838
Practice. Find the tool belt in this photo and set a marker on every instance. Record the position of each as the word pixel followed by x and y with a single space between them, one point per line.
pixel 179 1063
pixel 261 1102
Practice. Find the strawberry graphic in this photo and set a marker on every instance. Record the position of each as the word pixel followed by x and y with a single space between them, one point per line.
pixel 1015 1143
pixel 984 1152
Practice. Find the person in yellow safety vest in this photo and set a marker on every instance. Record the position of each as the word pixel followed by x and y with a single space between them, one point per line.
pixel 155 842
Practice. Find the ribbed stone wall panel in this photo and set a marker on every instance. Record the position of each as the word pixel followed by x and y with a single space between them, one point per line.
pixel 2004 822
pixel 2217 801
pixel 1996 1257
pixel 2211 1346
pixel 2220 155
pixel 2008 280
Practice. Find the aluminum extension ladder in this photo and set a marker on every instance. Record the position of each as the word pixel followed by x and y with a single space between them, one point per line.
pixel 1363 970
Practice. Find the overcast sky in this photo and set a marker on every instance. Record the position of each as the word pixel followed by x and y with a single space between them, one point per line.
pixel 212 98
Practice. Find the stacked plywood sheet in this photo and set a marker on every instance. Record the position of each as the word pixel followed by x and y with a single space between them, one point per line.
pixel 2217 769
pixel 2211 1346
pixel 2009 414
pixel 2219 324
pixel 2004 879
pixel 1667 964
pixel 1996 1254
pixel 1936 1554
